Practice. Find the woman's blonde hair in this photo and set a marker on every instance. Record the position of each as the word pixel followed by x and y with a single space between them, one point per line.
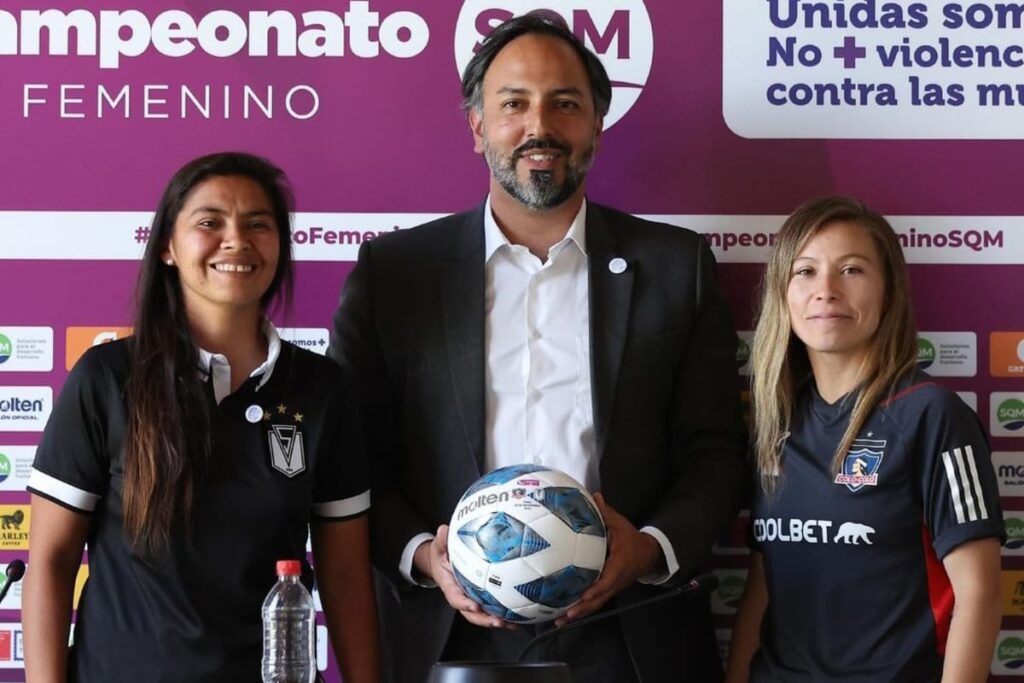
pixel 779 359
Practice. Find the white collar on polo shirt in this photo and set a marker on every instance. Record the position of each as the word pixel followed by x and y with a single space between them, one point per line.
pixel 217 365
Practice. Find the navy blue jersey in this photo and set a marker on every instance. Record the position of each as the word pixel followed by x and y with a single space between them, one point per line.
pixel 853 562
pixel 285 450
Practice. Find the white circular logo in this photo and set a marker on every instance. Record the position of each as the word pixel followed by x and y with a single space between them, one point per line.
pixel 618 31
pixel 1020 350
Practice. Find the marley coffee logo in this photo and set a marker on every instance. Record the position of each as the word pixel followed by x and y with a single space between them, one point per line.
pixel 14 524
pixel 1013 593
pixel 287 448
pixel 1006 354
pixel 618 31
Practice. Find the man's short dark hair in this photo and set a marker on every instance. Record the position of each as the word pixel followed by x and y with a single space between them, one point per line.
pixel 538 22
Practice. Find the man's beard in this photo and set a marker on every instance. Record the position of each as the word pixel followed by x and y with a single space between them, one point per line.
pixel 541 190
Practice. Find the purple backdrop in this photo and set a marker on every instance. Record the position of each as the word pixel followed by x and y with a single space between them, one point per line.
pixel 388 138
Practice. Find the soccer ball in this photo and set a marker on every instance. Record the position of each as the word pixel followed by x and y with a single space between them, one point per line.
pixel 525 542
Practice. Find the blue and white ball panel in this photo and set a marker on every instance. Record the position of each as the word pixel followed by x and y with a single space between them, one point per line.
pixel 573 507
pixel 499 537
pixel 559 589
pixel 568 548
pixel 527 544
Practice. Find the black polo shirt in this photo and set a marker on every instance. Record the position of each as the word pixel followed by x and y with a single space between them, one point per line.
pixel 857 589
pixel 286 450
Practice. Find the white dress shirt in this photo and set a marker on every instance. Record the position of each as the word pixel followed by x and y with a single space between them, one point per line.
pixel 537 343
pixel 539 402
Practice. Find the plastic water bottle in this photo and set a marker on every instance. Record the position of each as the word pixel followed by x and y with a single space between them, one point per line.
pixel 289 621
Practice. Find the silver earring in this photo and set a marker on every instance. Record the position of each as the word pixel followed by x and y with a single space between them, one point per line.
pixel 169 262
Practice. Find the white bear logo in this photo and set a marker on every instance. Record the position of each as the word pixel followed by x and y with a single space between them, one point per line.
pixel 853 533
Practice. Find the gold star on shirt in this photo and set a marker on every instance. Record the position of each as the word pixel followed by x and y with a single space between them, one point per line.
pixel 298 417
pixel 266 416
pixel 282 409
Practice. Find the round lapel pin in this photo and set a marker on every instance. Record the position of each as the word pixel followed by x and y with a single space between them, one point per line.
pixel 617 265
pixel 254 413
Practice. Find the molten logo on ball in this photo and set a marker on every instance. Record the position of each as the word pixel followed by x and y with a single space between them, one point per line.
pixel 525 542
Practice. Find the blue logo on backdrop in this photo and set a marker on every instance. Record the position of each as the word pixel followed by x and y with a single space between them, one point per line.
pixel 860 467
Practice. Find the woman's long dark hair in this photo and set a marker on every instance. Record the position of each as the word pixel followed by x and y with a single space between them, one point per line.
pixel 168 439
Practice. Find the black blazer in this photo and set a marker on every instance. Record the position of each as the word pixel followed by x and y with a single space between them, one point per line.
pixel 410 327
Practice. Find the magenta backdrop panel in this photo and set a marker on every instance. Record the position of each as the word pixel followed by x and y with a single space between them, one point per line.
pixel 372 137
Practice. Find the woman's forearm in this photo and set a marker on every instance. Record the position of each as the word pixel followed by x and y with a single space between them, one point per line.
pixel 46 620
pixel 746 628
pixel 973 569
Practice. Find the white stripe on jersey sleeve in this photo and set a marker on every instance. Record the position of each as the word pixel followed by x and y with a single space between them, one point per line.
pixel 954 486
pixel 344 508
pixel 972 511
pixel 975 481
pixel 64 492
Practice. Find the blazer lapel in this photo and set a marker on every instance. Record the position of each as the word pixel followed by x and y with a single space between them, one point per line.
pixel 611 294
pixel 462 301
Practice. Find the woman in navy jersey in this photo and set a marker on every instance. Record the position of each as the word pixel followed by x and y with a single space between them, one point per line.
pixel 193 455
pixel 876 526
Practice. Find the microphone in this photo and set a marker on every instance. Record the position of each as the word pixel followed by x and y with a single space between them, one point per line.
pixel 698 585
pixel 15 570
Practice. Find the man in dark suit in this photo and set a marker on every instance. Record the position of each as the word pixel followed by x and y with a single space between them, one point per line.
pixel 543 328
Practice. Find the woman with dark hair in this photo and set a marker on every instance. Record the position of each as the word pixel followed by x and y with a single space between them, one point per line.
pixel 194 455
pixel 876 525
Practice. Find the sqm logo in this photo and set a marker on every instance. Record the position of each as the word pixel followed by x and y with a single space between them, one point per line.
pixel 618 31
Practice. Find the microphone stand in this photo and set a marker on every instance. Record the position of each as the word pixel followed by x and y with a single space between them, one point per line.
pixel 15 570
pixel 551 672
pixel 697 585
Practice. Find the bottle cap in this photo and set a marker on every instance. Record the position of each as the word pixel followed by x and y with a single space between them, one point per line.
pixel 288 568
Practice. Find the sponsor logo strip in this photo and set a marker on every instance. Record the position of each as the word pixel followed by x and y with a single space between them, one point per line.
pixel 122 235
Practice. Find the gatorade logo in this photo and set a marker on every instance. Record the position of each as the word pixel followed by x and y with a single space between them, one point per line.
pixel 618 31
pixel 5 348
pixel 1006 354
pixel 925 353
pixel 78 340
pixel 1010 414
